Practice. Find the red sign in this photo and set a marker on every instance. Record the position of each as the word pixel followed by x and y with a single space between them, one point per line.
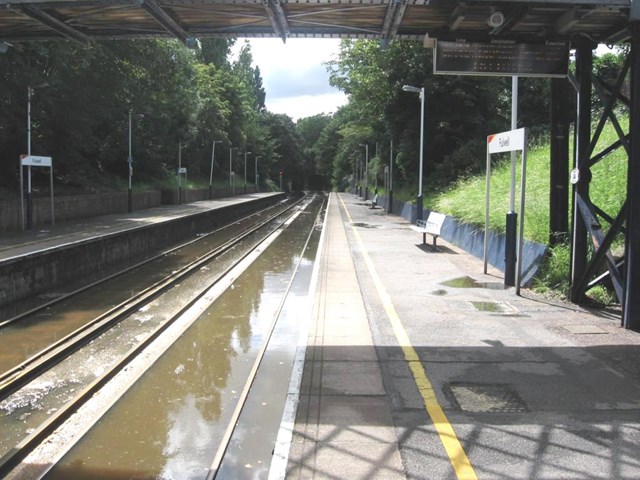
pixel 281 173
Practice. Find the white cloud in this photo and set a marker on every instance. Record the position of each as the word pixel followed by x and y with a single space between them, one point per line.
pixel 294 76
pixel 307 105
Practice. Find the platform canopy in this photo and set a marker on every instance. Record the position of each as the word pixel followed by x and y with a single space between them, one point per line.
pixel 479 20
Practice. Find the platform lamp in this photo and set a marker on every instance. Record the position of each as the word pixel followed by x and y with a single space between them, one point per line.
pixel 130 161
pixel 245 170
pixel 420 91
pixel 257 177
pixel 213 158
pixel 366 169
pixel 231 172
pixel 30 91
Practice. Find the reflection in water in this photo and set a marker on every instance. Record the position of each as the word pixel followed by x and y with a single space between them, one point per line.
pixel 188 441
pixel 170 424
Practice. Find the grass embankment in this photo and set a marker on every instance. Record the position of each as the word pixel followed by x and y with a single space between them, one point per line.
pixel 466 201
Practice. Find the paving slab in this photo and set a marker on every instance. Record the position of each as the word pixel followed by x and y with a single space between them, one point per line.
pixel 532 388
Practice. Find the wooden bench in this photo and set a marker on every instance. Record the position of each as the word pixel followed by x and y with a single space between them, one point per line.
pixel 432 226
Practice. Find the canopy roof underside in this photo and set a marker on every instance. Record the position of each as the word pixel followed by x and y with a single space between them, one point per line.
pixel 386 20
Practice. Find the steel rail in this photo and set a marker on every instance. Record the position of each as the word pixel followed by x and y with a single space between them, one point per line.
pixel 12 458
pixel 16 377
pixel 233 422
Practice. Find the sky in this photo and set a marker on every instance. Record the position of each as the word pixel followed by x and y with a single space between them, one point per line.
pixel 293 74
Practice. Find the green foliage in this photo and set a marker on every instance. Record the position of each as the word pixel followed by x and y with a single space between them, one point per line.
pixel 175 95
pixel 553 275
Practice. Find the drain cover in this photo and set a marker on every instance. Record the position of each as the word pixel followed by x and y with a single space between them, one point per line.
pixel 584 329
pixel 486 398
pixel 492 307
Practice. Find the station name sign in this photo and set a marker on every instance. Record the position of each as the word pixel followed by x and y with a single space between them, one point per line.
pixel 36 161
pixel 502 59
pixel 506 141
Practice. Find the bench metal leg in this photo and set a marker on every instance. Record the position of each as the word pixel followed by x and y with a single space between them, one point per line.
pixel 424 238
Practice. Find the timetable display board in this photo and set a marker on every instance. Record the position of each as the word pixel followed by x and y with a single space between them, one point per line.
pixel 502 59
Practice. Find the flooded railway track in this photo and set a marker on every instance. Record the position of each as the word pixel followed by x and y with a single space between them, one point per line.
pixel 47 416
pixel 69 322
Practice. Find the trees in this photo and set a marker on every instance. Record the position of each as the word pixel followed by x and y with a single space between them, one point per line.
pixel 175 94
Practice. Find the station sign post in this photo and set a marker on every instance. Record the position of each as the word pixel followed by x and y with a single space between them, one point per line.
pixel 33 161
pixel 511 141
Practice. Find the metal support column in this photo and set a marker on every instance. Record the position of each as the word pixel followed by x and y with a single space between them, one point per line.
pixel 579 245
pixel 559 162
pixel 631 307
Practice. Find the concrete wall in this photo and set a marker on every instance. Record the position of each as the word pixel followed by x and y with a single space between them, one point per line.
pixel 41 271
pixel 170 197
pixel 75 206
pixel 84 206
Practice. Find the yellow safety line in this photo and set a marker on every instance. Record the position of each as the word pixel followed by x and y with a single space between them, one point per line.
pixel 457 456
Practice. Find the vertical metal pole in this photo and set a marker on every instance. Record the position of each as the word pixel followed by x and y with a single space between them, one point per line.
pixel 213 158
pixel 130 168
pixel 366 171
pixel 29 204
pixel 559 162
pixel 390 209
pixel 511 233
pixel 375 172
pixel 245 172
pixel 631 307
pixel 53 219
pixel 514 126
pixel 21 194
pixel 230 170
pixel 179 169
pixel 419 203
pixel 486 210
pixel 584 64
pixel 523 186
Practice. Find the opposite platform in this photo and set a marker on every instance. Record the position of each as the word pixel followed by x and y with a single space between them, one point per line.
pixel 84 251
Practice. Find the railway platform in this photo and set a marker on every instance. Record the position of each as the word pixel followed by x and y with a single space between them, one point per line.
pixel 54 257
pixel 420 366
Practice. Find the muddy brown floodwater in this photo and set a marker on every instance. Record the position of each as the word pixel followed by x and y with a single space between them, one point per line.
pixel 169 425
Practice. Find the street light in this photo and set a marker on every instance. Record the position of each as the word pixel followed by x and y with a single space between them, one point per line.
pixel 231 172
pixel 245 170
pixel 130 162
pixel 30 92
pixel 366 169
pixel 213 157
pixel 420 91
pixel 257 177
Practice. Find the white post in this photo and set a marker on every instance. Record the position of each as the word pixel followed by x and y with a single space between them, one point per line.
pixel 486 211
pixel 514 126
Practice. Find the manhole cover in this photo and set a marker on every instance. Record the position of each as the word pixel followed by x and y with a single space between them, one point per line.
pixel 584 329
pixel 486 398
pixel 492 307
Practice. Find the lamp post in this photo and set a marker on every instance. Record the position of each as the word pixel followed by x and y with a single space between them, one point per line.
pixel 179 171
pixel 130 162
pixel 420 91
pixel 30 92
pixel 366 169
pixel 390 203
pixel 245 170
pixel 231 172
pixel 257 177
pixel 213 157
